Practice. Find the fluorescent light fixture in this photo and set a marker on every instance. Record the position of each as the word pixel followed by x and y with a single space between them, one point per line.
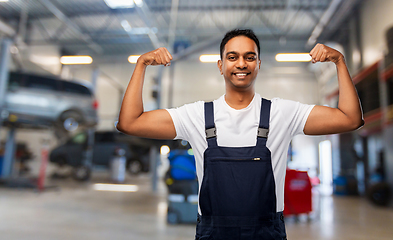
pixel 293 57
pixel 208 58
pixel 115 187
pixel 139 3
pixel 133 58
pixel 120 3
pixel 70 60
pixel 3 0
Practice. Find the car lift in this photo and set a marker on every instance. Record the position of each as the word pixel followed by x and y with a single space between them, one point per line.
pixel 10 146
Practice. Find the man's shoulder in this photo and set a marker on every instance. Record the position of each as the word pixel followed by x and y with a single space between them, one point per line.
pixel 194 108
pixel 284 103
pixel 289 109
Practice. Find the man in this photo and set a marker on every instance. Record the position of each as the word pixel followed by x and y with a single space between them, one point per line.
pixel 240 141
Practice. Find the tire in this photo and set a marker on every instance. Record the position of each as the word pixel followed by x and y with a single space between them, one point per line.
pixel 81 173
pixel 172 217
pixel 70 121
pixel 134 167
pixel 61 161
pixel 380 194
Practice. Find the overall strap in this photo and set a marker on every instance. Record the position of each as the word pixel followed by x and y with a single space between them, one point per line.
pixel 263 129
pixel 210 127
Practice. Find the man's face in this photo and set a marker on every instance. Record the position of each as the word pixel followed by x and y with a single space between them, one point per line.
pixel 240 64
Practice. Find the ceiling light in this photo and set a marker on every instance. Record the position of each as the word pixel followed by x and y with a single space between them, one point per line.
pixel 293 57
pixel 69 60
pixel 115 187
pixel 120 3
pixel 208 58
pixel 139 3
pixel 133 58
pixel 3 0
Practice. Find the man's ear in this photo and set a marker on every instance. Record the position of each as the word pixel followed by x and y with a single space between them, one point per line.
pixel 259 63
pixel 219 65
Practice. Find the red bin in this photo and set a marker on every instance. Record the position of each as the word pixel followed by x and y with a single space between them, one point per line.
pixel 297 196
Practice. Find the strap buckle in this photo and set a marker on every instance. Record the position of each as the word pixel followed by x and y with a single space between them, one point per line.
pixel 263 132
pixel 210 133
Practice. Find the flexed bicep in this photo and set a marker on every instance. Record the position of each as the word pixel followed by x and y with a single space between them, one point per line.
pixel 326 120
pixel 155 124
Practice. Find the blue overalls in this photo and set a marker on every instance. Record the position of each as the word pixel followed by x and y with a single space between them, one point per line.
pixel 237 196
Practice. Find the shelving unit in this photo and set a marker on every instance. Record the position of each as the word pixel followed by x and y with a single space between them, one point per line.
pixel 375 88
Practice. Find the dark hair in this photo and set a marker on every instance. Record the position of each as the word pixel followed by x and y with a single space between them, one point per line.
pixel 239 32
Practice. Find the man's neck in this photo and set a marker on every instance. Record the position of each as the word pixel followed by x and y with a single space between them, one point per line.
pixel 239 100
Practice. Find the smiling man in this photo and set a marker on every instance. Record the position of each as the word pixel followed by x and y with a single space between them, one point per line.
pixel 240 141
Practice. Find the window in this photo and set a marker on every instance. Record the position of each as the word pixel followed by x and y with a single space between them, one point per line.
pixel 15 81
pixel 41 83
pixel 70 87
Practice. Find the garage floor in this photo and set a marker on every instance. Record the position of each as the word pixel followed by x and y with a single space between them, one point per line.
pixel 77 211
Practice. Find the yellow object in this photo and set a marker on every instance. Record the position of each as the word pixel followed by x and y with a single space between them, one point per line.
pixel 13 118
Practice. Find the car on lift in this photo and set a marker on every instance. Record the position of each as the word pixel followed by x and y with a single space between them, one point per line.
pixel 35 101
pixel 71 153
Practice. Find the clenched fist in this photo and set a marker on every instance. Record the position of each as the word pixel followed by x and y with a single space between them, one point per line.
pixel 322 53
pixel 160 56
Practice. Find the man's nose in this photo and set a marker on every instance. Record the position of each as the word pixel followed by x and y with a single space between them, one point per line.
pixel 241 63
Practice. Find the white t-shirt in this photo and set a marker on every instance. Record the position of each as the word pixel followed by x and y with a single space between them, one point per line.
pixel 238 128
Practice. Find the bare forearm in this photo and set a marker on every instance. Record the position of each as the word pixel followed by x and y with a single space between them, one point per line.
pixel 132 106
pixel 348 102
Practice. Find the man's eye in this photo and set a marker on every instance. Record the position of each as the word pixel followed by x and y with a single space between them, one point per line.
pixel 231 57
pixel 251 58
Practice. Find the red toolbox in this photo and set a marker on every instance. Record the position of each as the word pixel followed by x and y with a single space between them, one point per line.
pixel 297 196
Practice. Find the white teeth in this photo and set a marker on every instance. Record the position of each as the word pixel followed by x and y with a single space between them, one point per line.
pixel 241 74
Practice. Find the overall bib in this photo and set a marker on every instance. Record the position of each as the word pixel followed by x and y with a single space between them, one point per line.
pixel 237 196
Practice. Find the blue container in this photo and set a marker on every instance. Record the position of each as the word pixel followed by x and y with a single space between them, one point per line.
pixel 182 165
pixel 340 185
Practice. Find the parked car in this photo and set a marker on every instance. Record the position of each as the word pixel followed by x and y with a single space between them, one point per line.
pixel 35 101
pixel 71 153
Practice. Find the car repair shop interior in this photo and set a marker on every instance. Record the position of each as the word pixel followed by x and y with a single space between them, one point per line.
pixel 67 173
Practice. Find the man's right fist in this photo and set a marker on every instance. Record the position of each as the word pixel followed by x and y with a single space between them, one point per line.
pixel 160 56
